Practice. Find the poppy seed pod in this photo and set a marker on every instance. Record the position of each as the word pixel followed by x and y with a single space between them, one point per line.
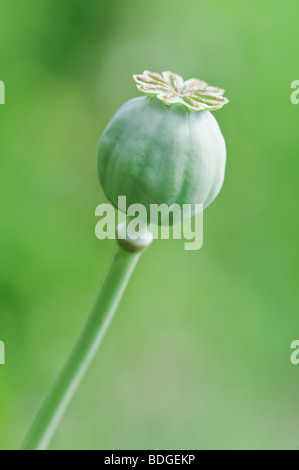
pixel 164 148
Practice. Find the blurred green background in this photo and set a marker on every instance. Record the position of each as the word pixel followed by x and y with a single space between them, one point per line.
pixel 198 356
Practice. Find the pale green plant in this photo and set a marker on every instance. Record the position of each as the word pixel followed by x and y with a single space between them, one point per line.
pixel 163 148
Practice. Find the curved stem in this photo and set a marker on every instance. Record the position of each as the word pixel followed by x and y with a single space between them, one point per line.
pixel 59 397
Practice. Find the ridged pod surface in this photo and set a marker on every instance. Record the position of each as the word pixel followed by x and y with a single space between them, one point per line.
pixel 155 153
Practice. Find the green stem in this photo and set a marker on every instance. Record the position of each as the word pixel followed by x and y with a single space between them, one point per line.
pixel 59 397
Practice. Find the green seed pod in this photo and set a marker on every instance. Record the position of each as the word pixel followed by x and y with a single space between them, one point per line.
pixel 165 148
